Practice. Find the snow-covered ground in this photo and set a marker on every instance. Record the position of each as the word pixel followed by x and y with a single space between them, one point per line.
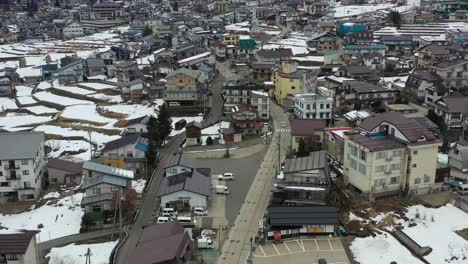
pixel 59 147
pixel 40 110
pixel 132 111
pixel 86 113
pixel 96 137
pixel 74 90
pixel 23 90
pixel 353 10
pixel 435 227
pixel 98 86
pixel 11 121
pixel 58 218
pixel 75 254
pixel 58 100
pixel 139 185
pixel 108 98
pixel 26 100
pixel 7 104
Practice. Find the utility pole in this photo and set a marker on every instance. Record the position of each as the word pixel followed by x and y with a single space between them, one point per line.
pixel 88 256
pixel 120 214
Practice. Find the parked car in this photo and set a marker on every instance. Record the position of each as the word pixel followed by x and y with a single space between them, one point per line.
pixel 283 124
pixel 227 176
pixel 205 242
pixel 200 211
pixel 222 189
pixel 322 261
pixel 169 211
pixel 162 220
pixel 343 230
pixel 462 189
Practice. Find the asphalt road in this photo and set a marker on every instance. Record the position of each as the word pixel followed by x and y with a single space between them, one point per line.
pixel 244 170
pixel 150 203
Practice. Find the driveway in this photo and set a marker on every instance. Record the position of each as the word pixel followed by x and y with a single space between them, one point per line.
pixel 299 251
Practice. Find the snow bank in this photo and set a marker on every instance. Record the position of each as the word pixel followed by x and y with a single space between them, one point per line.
pixel 98 86
pixel 23 90
pixel 59 218
pixel 72 253
pixel 74 90
pixel 7 104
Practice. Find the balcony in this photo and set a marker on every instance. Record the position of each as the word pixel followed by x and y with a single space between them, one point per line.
pixel 11 167
pixel 13 178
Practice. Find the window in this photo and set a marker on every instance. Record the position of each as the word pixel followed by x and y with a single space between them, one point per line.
pixel 293 87
pixel 414 165
pixel 173 171
pixel 395 166
pixel 27 185
pixel 415 152
pixel 394 180
pixel 24 162
pixel 308 106
pixel 380 168
pixel 54 180
pixel 396 153
pixel 321 106
pixel 381 155
pixel 12 257
pixel 363 155
pixel 353 164
pixel 427 179
pixel 353 150
pixel 328 106
pixel 1 173
pixel 96 190
pixel 379 182
pixel 417 181
pixel 4 184
pixel 26 172
pixel 362 169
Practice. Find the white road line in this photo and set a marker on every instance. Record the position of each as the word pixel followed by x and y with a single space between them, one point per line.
pixel 285 244
pixel 277 251
pixel 263 251
pixel 301 246
pixel 318 248
pixel 330 244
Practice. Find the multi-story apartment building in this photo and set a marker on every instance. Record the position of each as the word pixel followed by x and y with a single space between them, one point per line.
pixel 240 92
pixel 390 155
pixel 261 101
pixel 21 170
pixel 454 73
pixel 293 80
pixel 362 94
pixel 313 106
pixel 184 86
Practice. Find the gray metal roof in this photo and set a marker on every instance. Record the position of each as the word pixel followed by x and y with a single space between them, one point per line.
pixel 198 181
pixel 316 160
pixel 180 159
pixel 303 215
pixel 118 181
pixel 88 165
pixel 96 198
pixel 20 145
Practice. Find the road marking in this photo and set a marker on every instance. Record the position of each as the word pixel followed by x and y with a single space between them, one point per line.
pixel 318 248
pixel 277 251
pixel 263 251
pixel 330 244
pixel 301 252
pixel 301 244
pixel 287 247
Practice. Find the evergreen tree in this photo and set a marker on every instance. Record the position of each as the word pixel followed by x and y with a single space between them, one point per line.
pixel 301 149
pixel 395 18
pixel 164 123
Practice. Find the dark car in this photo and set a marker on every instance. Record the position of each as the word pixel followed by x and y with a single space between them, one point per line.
pixel 322 261
pixel 343 230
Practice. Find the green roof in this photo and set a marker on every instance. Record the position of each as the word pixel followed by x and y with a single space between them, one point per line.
pixel 247 44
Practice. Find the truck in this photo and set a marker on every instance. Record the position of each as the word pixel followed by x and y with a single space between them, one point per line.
pixel 222 189
pixel 204 242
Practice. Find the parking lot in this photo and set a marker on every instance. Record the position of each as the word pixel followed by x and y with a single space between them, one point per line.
pixel 302 251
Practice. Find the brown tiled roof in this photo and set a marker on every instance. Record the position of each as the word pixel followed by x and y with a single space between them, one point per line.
pixel 307 127
pixel 410 128
pixel 16 243
pixel 376 143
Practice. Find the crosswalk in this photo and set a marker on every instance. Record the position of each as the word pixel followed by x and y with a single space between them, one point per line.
pixel 283 130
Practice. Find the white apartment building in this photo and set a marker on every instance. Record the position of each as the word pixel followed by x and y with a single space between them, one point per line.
pixel 261 100
pixel 391 155
pixel 22 161
pixel 454 73
pixel 72 30
pixel 313 106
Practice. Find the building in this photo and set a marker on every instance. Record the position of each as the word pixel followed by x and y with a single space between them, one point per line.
pixel 355 94
pixel 132 90
pixel 458 162
pixel 184 186
pixel 309 130
pixel 184 86
pixel 240 92
pixel 261 71
pixel 313 7
pixel 193 133
pixel 127 71
pixel 313 106
pixel 19 247
pixel 389 155
pixel 95 67
pixel 292 221
pixel 72 72
pixel 21 170
pixel 166 243
pixel 127 152
pixel 6 88
pixel 430 55
pixel 72 29
pixel 419 81
pixel 245 118
pixel 137 125
pixel 64 172
pixel 452 109
pixel 261 100
pixel 334 142
pixel 454 73
pixel 274 56
pixel 303 181
pixel 293 80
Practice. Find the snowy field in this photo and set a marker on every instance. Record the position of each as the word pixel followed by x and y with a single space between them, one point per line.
pixel 41 110
pixel 11 121
pixel 86 113
pixel 58 218
pixel 60 146
pixel 98 86
pixel 65 132
pixel 435 227
pixel 74 90
pixel 75 254
pixel 132 111
pixel 58 100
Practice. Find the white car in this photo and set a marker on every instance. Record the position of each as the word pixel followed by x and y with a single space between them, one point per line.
pixel 227 176
pixel 284 124
pixel 199 211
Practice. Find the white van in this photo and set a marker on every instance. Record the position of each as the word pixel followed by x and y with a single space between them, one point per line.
pixel 222 189
pixel 170 211
pixel 463 189
pixel 185 220
pixel 162 220
pixel 199 211
pixel 204 242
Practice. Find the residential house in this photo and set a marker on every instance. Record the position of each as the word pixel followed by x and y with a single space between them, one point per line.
pixel 365 37
pixel 313 106
pixel 247 48
pixel 454 73
pixel 309 130
pixel 245 118
pixel 391 155
pixel 166 243
pixel 293 80
pixel 72 72
pixel 261 101
pixel 231 135
pixel 193 133
pixel 398 45
pixel 291 221
pixel 358 94
pixel 19 247
pixel 274 56
pixel 452 109
pixel 239 91
pixel 334 142
pixel 313 7
pixel 103 185
pixel 137 125
pixel 418 82
pixel 363 49
pixel 183 185
pixel 21 170
pixel 230 39
pixel 6 88
pixel 184 86
pixel 132 90
pixel 261 71
pixel 435 93
pixel 109 56
pixel 64 172
pixel 127 71
pixel 95 67
pixel 223 6
pixel 358 72
pixel 72 29
pixel 304 181
pixel 458 162
pixel 431 54
pixel 127 152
